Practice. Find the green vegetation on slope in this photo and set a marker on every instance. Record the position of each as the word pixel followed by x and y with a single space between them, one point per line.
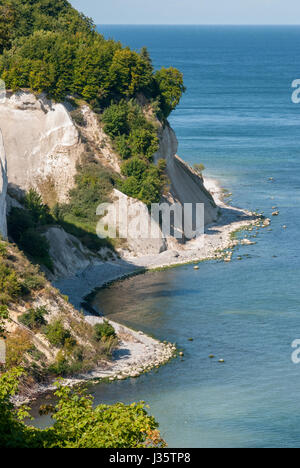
pixel 73 344
pixel 93 185
pixel 135 139
pixel 76 423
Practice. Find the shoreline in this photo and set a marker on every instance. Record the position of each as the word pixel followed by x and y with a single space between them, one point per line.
pixel 216 239
pixel 139 353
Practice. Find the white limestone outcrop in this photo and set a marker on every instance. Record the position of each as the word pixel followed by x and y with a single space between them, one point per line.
pixel 187 185
pixel 42 145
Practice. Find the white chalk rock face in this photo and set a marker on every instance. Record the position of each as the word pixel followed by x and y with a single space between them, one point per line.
pixel 3 189
pixel 42 145
pixel 131 220
pixel 68 254
pixel 186 184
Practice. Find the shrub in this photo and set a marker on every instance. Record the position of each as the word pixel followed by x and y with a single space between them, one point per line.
pixel 17 345
pixel 143 142
pixel 32 280
pixel 77 423
pixel 3 250
pixel 19 221
pixel 57 334
pixel 37 355
pixel 151 190
pixel 104 331
pixel 162 166
pixel 4 316
pixel 39 212
pixel 131 186
pixel 199 168
pixel 37 246
pixel 122 146
pixel 115 120
pixel 135 139
pixel 134 167
pixel 145 182
pixel 34 318
pixel 23 225
pixel 93 186
pixel 78 117
pixel 10 288
pixel 60 367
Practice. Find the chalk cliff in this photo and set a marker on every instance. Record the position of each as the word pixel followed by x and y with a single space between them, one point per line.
pixel 43 145
pixel 187 185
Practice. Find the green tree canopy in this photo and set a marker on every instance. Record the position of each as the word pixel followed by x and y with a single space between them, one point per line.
pixel 49 46
pixel 171 87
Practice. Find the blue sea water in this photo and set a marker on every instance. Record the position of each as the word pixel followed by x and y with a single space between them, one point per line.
pixel 237 119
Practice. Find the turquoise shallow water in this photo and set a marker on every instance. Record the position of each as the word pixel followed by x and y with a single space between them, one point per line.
pixel 237 118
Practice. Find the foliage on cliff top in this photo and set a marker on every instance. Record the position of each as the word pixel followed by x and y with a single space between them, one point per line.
pixel 49 46
pixel 76 423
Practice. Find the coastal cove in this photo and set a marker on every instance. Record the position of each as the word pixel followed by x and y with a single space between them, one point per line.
pixel 238 120
pixel 138 352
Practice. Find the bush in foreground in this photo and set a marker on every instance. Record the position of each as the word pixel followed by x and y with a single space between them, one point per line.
pixel 76 423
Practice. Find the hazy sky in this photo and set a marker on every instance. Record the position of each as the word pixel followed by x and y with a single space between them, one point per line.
pixel 191 11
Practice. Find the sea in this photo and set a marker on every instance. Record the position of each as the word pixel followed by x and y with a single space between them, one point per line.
pixel 237 118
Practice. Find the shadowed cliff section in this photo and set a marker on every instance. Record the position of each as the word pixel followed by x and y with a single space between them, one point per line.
pixel 3 189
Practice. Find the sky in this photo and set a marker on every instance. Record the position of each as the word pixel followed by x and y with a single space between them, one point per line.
pixel 191 11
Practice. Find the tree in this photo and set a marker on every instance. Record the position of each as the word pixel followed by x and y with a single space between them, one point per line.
pixel 171 88
pixel 7 23
pixel 41 76
pixel 145 55
pixel 143 142
pixel 38 210
pixel 129 73
pixel 115 119
pixel 135 167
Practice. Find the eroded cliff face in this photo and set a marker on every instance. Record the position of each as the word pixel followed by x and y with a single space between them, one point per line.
pixel 42 145
pixel 3 189
pixel 134 224
pixel 187 185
